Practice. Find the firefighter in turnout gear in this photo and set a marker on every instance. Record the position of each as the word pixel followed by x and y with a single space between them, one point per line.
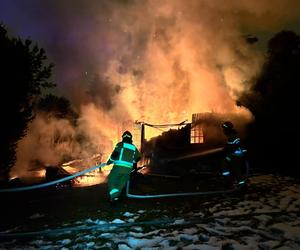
pixel 234 164
pixel 124 157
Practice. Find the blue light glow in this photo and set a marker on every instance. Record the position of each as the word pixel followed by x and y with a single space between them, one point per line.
pixel 226 173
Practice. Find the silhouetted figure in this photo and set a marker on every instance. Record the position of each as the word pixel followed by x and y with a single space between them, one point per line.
pixel 234 161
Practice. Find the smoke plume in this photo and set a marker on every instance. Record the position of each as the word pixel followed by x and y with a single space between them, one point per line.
pixel 156 61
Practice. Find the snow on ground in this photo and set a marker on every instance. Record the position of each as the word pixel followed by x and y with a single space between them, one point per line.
pixel 267 216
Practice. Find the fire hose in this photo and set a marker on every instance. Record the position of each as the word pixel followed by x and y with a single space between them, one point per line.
pixel 147 196
pixel 42 185
pixel 138 196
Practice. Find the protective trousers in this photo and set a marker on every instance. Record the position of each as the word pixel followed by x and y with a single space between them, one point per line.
pixel 117 179
pixel 236 166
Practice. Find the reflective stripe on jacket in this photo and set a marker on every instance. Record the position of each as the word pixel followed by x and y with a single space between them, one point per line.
pixel 125 154
pixel 233 147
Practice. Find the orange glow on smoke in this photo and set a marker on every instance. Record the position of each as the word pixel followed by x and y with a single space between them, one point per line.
pixel 95 177
pixel 91 179
pixel 177 58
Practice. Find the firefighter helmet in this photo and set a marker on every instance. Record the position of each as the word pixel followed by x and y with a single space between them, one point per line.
pixel 127 134
pixel 227 125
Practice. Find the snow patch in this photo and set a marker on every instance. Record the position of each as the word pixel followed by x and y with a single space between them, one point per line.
pixel 139 243
pixel 137 229
pixel 106 235
pixel 36 216
pixel 289 232
pixel 90 244
pixel 179 222
pixel 89 221
pixel 128 214
pixel 65 241
pixel 136 234
pixel 100 222
pixel 123 247
pixel 118 221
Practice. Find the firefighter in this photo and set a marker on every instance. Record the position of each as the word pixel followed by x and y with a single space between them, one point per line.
pixel 124 157
pixel 234 164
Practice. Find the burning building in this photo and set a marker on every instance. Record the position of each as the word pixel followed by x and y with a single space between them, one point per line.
pixel 180 140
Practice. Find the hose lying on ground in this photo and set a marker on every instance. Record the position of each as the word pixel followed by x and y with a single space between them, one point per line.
pixel 42 185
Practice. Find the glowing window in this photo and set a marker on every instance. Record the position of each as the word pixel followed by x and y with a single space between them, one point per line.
pixel 197 135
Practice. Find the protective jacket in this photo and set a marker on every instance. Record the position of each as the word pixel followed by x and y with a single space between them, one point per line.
pixel 233 147
pixel 125 155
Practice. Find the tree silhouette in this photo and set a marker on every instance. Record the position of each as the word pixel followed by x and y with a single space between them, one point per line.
pixel 274 101
pixel 58 107
pixel 23 77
